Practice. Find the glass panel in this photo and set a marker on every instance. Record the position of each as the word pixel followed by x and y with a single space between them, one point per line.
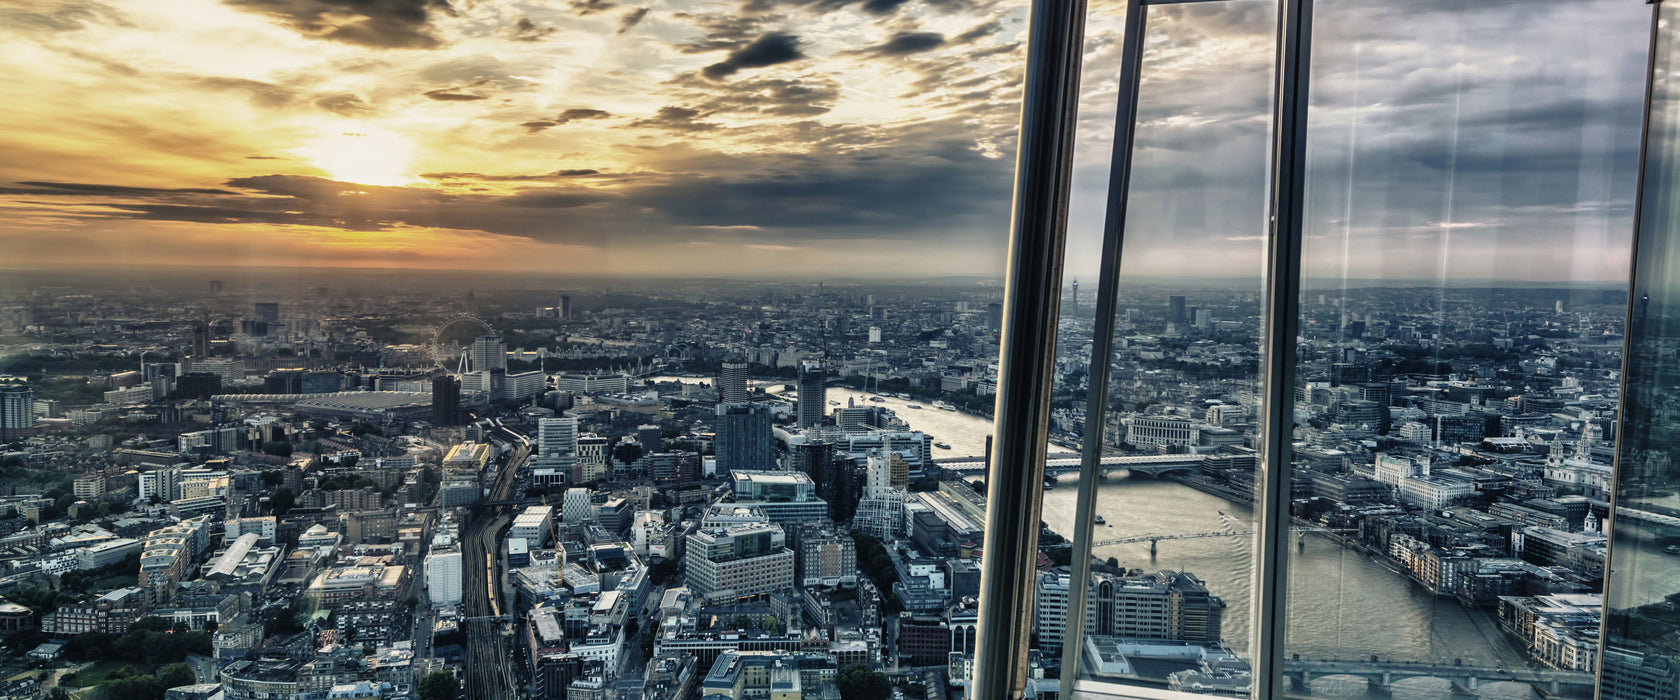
pixel 1168 601
pixel 1642 652
pixel 1470 173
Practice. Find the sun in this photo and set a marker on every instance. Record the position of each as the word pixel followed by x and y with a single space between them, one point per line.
pixel 363 157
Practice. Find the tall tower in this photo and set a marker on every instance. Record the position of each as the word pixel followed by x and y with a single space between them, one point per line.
pixel 446 401
pixel 565 306
pixel 1074 306
pixel 744 437
pixel 1175 309
pixel 17 410
pixel 732 382
pixel 488 353
pixel 813 393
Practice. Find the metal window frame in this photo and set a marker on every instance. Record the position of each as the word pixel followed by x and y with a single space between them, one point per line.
pixel 1027 340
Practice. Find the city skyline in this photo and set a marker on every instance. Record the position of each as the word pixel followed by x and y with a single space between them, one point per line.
pixel 704 139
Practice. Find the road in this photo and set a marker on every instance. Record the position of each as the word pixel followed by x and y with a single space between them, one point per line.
pixel 489 676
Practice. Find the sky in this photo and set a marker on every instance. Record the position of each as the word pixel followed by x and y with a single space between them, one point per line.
pixel 757 138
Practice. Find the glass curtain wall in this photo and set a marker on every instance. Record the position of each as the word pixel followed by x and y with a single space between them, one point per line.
pixel 1641 658
pixel 1467 208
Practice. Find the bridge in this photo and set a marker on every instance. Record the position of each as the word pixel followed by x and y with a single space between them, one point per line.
pixel 1383 674
pixel 1153 539
pixel 1147 465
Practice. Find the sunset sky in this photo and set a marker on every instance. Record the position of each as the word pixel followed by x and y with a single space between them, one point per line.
pixel 765 137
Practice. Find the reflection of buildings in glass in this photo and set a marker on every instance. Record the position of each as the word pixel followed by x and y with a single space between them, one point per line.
pixel 1579 470
pixel 1168 606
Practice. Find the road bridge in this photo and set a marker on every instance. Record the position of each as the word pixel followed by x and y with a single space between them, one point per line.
pixel 1058 465
pixel 1468 678
pixel 1154 539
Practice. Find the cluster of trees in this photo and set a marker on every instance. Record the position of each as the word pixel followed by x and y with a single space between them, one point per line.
pixel 859 682
pixel 439 685
pixel 345 482
pixel 81 581
pixel 130 683
pixel 150 640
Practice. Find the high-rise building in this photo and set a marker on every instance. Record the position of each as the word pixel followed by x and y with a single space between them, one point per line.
pixel 443 575
pixel 488 353
pixel 732 381
pixel 17 410
pixel 446 401
pixel 813 394
pixel 198 385
pixel 994 317
pixel 215 286
pixel 1175 309
pixel 880 513
pixel 744 440
pixel 739 560
pixel 557 443
pixel 200 340
pixel 268 311
pixel 834 476
pixel 576 508
pixel 591 463
pixel 565 308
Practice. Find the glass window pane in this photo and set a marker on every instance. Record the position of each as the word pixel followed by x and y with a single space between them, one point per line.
pixel 1168 602
pixel 1469 210
pixel 1641 658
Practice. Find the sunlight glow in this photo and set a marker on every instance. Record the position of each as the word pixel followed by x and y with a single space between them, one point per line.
pixel 363 157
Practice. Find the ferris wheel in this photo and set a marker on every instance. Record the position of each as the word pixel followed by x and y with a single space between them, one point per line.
pixel 444 353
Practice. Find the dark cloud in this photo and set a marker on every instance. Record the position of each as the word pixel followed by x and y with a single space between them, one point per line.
pixel 526 30
pixel 906 43
pixel 388 24
pixel 577 172
pixel 676 119
pixel 538 125
pixel 807 97
pixel 85 188
pixel 767 50
pixel 580 113
pixel 978 32
pixel 481 177
pixel 631 19
pixel 263 158
pixel 343 104
pixel 450 95
pixel 261 93
pixel 881 7
pixel 589 7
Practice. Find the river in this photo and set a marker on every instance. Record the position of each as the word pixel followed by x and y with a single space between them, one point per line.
pixel 1342 605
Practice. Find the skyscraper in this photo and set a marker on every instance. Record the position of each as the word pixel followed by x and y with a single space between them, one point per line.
pixel 200 340
pixel 557 443
pixel 813 393
pixel 565 308
pixel 488 353
pixel 446 401
pixel 732 382
pixel 1175 309
pixel 17 410
pixel 994 317
pixel 743 437
pixel 215 286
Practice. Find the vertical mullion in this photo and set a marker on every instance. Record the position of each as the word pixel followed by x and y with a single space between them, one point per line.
pixel 1026 357
pixel 1634 277
pixel 1282 326
pixel 1102 336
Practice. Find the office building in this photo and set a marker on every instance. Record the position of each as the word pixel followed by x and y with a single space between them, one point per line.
pixel 266 311
pixel 443 575
pixel 557 444
pixel 1176 309
pixel 578 507
pixel 446 401
pixel 1164 606
pixel 198 385
pixel 827 557
pixel 488 353
pixel 17 411
pixel 742 559
pixel 744 439
pixel 732 381
pixel 534 525
pixel 881 513
pixel 813 394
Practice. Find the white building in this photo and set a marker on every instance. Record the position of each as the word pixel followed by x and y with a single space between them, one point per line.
pixel 576 508
pixel 881 513
pixel 557 443
pixel 443 576
pixel 533 525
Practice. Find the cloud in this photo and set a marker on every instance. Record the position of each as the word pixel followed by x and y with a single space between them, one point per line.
pixel 343 104
pixel 978 32
pixel 84 188
pixel 63 17
pixel 261 93
pixel 384 24
pixel 631 19
pixel 526 30
pixel 767 50
pixel 675 119
pixel 580 113
pixel 808 97
pixel 481 177
pixel 450 95
pixel 906 43
pixel 586 8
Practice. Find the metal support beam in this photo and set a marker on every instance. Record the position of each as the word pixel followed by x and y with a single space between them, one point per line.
pixel 1282 326
pixel 1031 304
pixel 1102 335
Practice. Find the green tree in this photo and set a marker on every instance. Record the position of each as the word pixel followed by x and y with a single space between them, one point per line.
pixel 282 500
pixel 176 675
pixel 278 448
pixel 439 685
pixel 858 682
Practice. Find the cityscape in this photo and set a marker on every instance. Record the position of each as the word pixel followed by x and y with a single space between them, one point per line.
pixel 492 487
